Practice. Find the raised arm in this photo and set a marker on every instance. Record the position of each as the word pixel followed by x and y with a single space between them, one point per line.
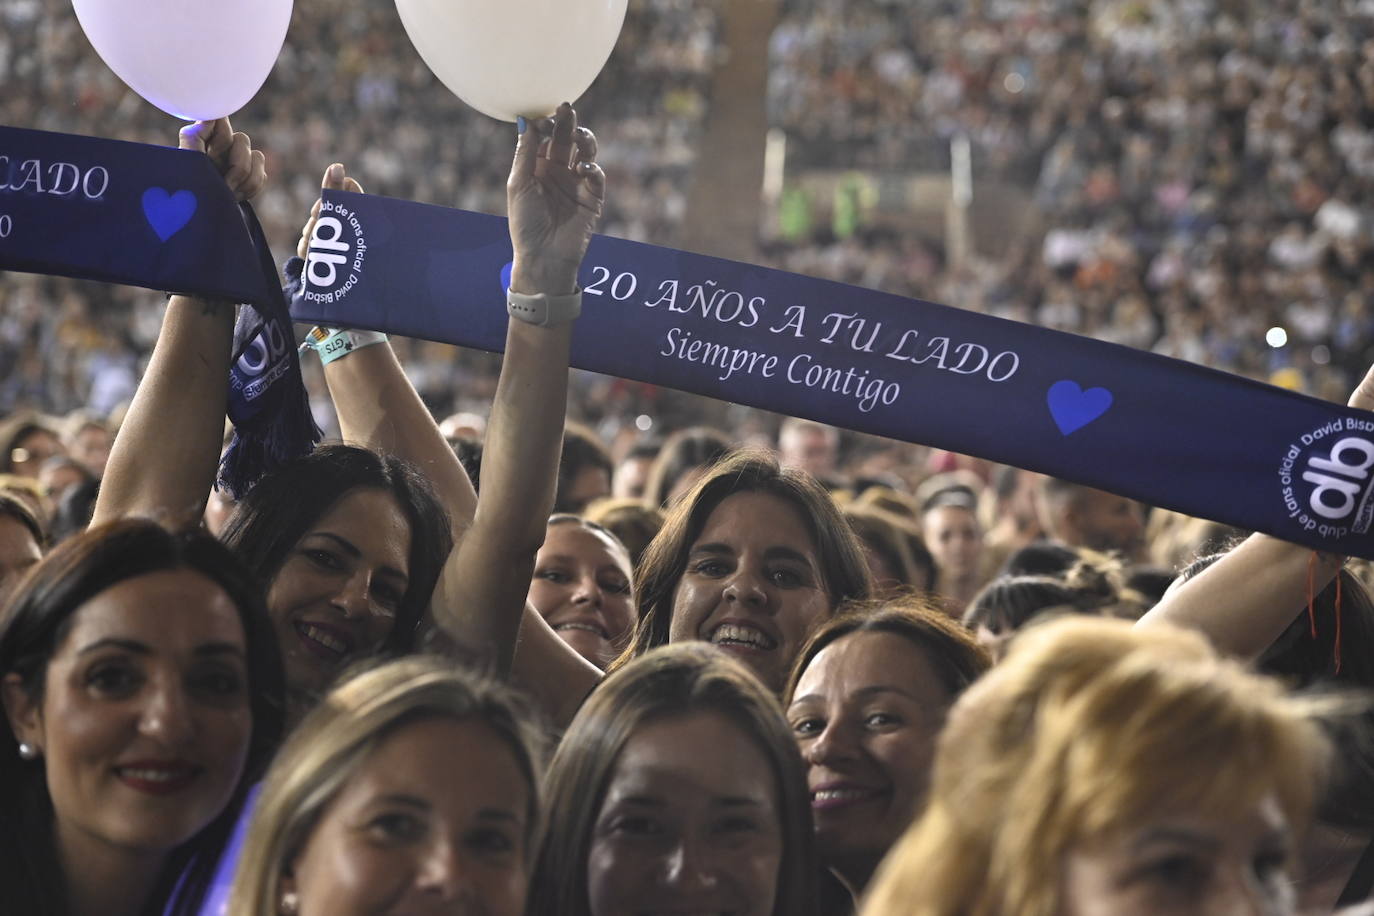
pixel 164 460
pixel 1246 599
pixel 555 195
pixel 379 409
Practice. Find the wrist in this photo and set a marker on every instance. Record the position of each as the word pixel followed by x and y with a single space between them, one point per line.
pixel 550 278
pixel 333 344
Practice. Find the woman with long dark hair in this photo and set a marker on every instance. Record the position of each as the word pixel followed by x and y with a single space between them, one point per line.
pixel 676 789
pixel 143 697
pixel 354 544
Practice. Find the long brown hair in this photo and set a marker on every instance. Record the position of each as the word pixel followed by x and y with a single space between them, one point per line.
pixel 670 682
pixel 843 569
pixel 36 620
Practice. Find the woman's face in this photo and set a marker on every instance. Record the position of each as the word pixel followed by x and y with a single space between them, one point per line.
pixel 681 831
pixel 581 586
pixel 753 585
pixel 1188 864
pixel 866 713
pixel 336 597
pixel 953 536
pixel 144 721
pixel 433 821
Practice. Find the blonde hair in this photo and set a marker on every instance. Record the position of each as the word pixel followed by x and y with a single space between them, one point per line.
pixel 1089 727
pixel 334 739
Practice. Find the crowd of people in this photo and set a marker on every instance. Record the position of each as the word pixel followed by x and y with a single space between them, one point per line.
pixel 471 656
pixel 674 677
pixel 1200 172
pixel 346 75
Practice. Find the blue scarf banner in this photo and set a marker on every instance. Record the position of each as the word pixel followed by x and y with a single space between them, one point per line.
pixel 1166 432
pixel 162 218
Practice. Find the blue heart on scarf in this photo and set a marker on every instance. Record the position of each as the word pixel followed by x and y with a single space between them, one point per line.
pixel 1073 408
pixel 166 212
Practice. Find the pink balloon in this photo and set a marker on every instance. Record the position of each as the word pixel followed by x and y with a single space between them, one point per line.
pixel 194 59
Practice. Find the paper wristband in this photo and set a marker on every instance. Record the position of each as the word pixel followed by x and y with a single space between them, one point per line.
pixel 332 345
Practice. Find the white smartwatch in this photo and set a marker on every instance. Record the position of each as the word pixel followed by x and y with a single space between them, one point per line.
pixel 544 310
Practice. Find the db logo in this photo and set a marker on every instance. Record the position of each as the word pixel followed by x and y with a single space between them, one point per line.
pixel 266 348
pixel 1339 479
pixel 1327 489
pixel 337 251
pixel 328 250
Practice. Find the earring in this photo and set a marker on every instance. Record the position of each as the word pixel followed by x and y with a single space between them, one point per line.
pixel 27 751
pixel 289 903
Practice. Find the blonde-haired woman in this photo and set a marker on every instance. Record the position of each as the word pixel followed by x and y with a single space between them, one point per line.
pixel 1104 769
pixel 412 786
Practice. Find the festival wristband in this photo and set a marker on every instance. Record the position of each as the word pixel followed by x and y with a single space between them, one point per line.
pixel 1169 433
pixel 333 344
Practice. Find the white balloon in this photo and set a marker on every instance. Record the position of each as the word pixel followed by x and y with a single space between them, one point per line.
pixel 514 57
pixel 194 59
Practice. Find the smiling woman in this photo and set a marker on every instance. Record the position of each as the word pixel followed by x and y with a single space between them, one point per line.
pixel 351 544
pixel 640 821
pixel 361 813
pixel 583 587
pixel 751 559
pixel 143 695
pixel 865 701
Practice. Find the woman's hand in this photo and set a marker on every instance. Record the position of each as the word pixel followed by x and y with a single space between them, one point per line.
pixel 244 168
pixel 334 180
pixel 554 198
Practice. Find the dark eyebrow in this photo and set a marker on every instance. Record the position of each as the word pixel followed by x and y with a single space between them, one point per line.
pixel 401 798
pixel 343 544
pixel 885 688
pixel 713 548
pixel 861 692
pixel 778 552
pixel 351 549
pixel 787 553
pixel 729 801
pixel 138 648
pixel 113 642
pixel 419 804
